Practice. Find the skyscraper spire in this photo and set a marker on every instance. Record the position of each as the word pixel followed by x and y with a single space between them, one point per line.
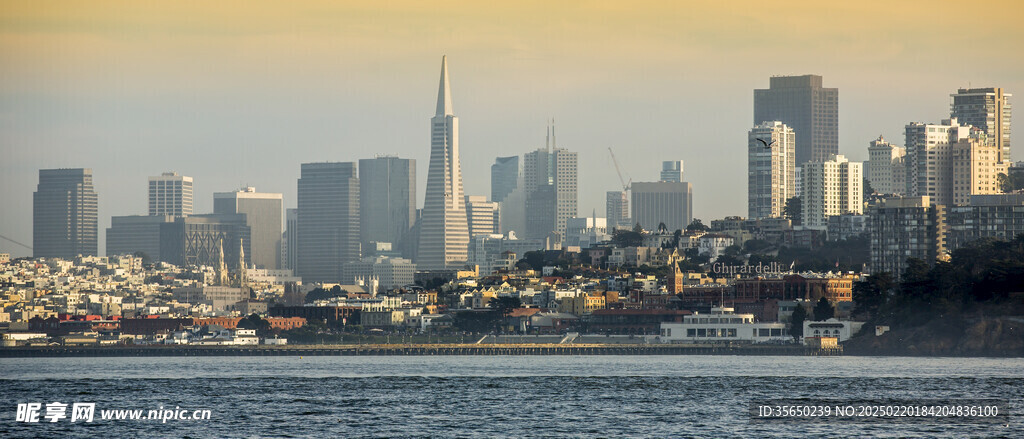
pixel 444 232
pixel 444 92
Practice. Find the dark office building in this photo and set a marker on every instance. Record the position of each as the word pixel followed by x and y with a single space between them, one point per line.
pixel 387 199
pixel 64 214
pixel 328 223
pixel 803 104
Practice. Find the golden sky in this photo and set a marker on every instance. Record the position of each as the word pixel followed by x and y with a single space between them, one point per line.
pixel 131 88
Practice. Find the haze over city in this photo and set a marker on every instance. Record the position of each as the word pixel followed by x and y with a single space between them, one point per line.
pixel 240 94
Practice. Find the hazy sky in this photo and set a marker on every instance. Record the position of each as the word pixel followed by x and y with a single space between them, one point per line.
pixel 241 93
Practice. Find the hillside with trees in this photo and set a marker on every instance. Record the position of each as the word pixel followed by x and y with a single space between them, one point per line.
pixel 971 305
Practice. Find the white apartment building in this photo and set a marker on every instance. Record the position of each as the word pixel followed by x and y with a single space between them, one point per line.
pixel 832 187
pixel 886 168
pixel 948 162
pixel 771 169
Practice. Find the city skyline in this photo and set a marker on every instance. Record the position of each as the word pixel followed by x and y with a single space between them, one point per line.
pixel 235 106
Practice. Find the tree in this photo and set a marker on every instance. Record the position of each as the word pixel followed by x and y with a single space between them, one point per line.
pixel 1010 182
pixel 869 295
pixel 504 305
pixel 868 190
pixel 254 321
pixel 823 310
pixel 697 226
pixel 535 259
pixel 796 322
pixel 322 294
pixel 625 238
pixel 794 210
pixel 475 321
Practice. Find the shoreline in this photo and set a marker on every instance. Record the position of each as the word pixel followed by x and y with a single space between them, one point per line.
pixel 407 349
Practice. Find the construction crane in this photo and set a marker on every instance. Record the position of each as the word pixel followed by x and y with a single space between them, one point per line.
pixel 625 184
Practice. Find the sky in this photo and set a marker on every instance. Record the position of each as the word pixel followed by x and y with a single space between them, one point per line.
pixel 240 93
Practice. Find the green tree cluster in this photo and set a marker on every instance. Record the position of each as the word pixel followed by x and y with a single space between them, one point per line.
pixel 981 273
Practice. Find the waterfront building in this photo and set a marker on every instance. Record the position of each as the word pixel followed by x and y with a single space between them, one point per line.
pixel 989 110
pixel 170 194
pixel 886 168
pixel 387 199
pixel 723 324
pixel 812 111
pixel 263 214
pixel 328 220
pixel 444 232
pixel 831 187
pixel 64 214
pixel 771 171
pixel 906 227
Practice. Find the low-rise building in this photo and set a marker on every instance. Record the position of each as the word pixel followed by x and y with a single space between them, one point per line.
pixel 723 325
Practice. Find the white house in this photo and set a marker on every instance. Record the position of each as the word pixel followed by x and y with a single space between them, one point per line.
pixel 842 330
pixel 723 324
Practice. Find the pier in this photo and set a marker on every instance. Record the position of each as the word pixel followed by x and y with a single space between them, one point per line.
pixel 409 349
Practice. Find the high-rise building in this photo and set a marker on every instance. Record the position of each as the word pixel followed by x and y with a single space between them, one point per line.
pixel 129 235
pixel 662 202
pixel 998 216
pixel 290 239
pixel 387 199
pixel 504 177
pixel 64 214
pixel 771 173
pixel 949 162
pixel 929 170
pixel 811 110
pixel 616 209
pixel 885 167
pixel 976 168
pixel 482 216
pixel 198 240
pixel 328 221
pixel 550 179
pixel 906 227
pixel 263 212
pixel 830 188
pixel 989 110
pixel 672 170
pixel 444 233
pixel 170 194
